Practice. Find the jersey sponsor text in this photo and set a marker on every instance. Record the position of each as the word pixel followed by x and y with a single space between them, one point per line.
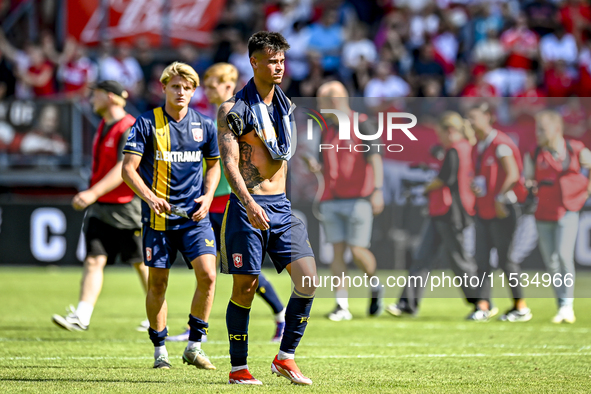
pixel 179 157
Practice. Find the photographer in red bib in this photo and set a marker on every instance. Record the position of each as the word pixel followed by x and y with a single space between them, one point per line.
pixel 498 187
pixel 451 210
pixel 562 191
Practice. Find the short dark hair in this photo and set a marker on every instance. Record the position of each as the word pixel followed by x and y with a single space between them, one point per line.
pixel 267 40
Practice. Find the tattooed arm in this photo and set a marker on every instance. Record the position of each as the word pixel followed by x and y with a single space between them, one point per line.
pixel 230 152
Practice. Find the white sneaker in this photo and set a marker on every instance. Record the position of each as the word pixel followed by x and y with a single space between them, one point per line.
pixel 479 315
pixel 144 326
pixel 394 310
pixel 70 322
pixel 565 314
pixel 162 362
pixel 517 315
pixel 493 311
pixel 198 358
pixel 339 314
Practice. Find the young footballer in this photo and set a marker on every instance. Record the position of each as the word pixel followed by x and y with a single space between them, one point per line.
pixel 163 165
pixel 219 82
pixel 255 133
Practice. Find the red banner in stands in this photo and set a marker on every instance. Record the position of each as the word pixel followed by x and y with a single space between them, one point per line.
pixel 127 20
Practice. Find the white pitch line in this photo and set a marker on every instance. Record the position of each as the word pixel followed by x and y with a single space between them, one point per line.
pixel 485 326
pixel 437 345
pixel 453 355
pixel 360 356
pixel 579 347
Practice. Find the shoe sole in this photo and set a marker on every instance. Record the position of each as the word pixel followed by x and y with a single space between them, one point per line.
pixel 247 383
pixel 281 375
pixel 485 320
pixel 564 321
pixel 162 366
pixel 520 320
pixel 62 323
pixel 343 319
pixel 394 313
pixel 210 367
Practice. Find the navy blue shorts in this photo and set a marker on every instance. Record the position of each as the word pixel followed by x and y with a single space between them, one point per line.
pixel 161 247
pixel 216 224
pixel 243 247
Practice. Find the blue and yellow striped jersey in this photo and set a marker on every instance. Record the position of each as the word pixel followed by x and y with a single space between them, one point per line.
pixel 172 154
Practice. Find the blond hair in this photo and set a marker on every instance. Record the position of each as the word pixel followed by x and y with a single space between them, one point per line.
pixel 454 120
pixel 182 70
pixel 223 72
pixel 552 116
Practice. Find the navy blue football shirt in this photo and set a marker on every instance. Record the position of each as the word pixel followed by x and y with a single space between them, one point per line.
pixel 171 165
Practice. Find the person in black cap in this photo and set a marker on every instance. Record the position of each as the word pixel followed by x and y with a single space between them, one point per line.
pixel 113 221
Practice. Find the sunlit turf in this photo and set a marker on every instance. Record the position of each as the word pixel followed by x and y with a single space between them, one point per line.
pixel 436 352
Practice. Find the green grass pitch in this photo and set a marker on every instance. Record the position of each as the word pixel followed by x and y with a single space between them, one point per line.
pixel 437 352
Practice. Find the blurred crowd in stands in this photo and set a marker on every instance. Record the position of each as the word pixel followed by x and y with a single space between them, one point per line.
pixel 380 49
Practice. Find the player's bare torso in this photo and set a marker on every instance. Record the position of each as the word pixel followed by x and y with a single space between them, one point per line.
pixel 261 173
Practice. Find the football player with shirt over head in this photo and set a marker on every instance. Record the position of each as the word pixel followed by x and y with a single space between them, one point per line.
pixel 256 136
pixel 219 82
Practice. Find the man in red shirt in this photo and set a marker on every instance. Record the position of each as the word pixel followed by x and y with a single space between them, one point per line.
pixel 114 218
pixel 480 88
pixel 559 80
pixel 32 67
pixel 40 74
pixel 352 196
pixel 522 46
pixel 531 99
pixel 521 43
pixel 575 16
pixel 76 70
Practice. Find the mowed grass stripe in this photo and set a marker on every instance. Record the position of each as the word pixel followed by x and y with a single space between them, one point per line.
pixel 437 352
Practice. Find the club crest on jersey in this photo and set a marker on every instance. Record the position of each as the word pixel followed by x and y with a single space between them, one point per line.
pixel 197 134
pixel 149 254
pixel 131 135
pixel 237 257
